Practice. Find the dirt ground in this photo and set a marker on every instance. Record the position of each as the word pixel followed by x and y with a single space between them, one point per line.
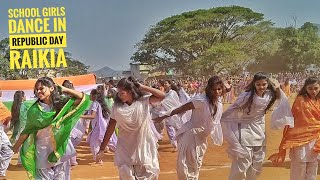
pixel 216 163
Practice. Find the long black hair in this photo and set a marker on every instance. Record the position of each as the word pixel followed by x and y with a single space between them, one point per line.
pixel 15 109
pixel 57 100
pixel 308 81
pixel 101 89
pixel 99 97
pixel 212 82
pixel 252 90
pixel 68 84
pixel 129 84
pixel 111 93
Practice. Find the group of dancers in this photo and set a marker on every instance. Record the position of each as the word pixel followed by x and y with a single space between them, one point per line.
pixel 132 127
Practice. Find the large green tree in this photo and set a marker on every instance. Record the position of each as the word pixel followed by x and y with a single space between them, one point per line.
pixel 295 50
pixel 202 42
pixel 299 47
pixel 75 67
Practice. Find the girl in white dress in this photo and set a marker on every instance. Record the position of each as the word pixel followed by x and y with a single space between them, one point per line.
pixel 99 114
pixel 205 121
pixel 5 151
pixel 244 125
pixel 136 154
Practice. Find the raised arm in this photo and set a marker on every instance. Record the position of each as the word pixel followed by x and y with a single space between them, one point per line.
pixel 74 93
pixel 157 95
pixel 276 86
pixel 182 108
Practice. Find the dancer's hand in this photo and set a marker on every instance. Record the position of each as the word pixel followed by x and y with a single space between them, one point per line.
pixel 100 155
pixel 278 158
pixel 19 142
pixel 227 86
pixel 274 83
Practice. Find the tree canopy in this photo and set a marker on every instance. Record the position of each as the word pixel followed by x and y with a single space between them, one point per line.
pixel 225 39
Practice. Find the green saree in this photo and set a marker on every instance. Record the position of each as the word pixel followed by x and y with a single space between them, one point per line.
pixel 61 126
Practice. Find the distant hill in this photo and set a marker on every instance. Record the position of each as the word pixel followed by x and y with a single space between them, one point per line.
pixel 107 72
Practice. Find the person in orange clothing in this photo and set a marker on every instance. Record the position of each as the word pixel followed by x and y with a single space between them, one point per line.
pixel 286 87
pixel 303 139
pixel 5 151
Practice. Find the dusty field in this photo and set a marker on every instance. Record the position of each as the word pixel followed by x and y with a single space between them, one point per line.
pixel 216 163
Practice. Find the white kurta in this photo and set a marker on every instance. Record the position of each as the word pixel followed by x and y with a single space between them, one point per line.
pixel 192 137
pixel 241 128
pixel 202 118
pixel 5 151
pixel 245 132
pixel 184 98
pixel 137 145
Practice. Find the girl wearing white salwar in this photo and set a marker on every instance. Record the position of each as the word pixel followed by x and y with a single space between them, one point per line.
pixel 136 154
pixel 5 151
pixel 156 108
pixel 99 114
pixel 244 125
pixel 77 133
pixel 192 136
pixel 171 101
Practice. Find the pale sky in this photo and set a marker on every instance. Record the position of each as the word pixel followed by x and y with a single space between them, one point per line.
pixel 103 32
